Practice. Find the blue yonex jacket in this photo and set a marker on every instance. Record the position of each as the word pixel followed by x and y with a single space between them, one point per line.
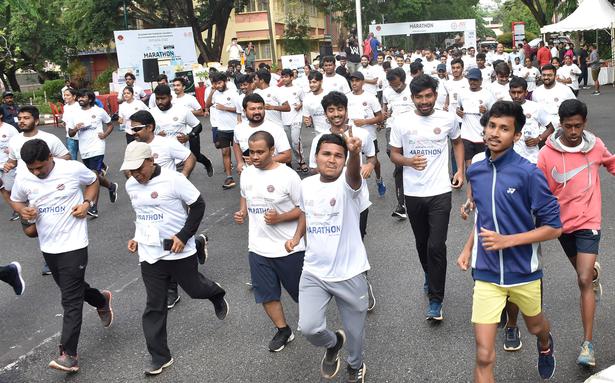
pixel 510 193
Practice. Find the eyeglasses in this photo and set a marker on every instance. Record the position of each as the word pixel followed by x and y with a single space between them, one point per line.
pixel 137 128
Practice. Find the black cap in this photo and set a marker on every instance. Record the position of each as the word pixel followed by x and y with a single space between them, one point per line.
pixel 7 93
pixel 357 75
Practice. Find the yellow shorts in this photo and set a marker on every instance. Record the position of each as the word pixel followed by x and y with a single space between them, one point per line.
pixel 489 300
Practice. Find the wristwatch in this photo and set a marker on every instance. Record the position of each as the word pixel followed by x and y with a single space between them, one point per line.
pixel 88 201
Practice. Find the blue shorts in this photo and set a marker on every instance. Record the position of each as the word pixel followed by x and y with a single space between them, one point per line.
pixel 94 163
pixel 268 273
pixel 580 241
pixel 222 138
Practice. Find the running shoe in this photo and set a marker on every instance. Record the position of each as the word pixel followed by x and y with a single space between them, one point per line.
pixel 65 362
pixel 356 375
pixel 93 211
pixel 371 298
pixel 156 368
pixel 381 187
pixel 596 93
pixel 209 167
pixel 113 192
pixel 221 306
pixel 229 182
pixel 45 270
pixel 596 285
pixel 434 311
pixel 546 359
pixel 282 337
pixel 330 364
pixel 172 298
pixel 512 339
pixel 201 241
pixel 399 212
pixel 106 313
pixel 15 278
pixel 14 217
pixel 586 357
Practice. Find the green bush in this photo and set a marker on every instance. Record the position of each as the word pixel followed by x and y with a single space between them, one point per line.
pixel 53 88
pixel 101 84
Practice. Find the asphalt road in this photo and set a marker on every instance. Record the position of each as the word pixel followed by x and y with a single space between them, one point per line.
pixel 400 345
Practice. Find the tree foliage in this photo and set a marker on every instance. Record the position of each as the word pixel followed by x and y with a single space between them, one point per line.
pixel 296 34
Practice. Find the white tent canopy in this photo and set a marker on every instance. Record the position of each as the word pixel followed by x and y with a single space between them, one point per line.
pixel 590 15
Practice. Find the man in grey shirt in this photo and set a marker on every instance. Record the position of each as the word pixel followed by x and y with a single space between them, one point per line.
pixel 594 63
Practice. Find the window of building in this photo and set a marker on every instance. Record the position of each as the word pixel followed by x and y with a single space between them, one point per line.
pixel 263 50
pixel 256 6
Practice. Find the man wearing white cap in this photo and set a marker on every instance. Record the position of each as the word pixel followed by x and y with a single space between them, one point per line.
pixel 164 240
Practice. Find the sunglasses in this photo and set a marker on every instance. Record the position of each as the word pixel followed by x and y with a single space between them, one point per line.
pixel 137 128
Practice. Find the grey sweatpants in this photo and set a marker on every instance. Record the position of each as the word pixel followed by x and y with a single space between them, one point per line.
pixel 351 299
pixel 293 133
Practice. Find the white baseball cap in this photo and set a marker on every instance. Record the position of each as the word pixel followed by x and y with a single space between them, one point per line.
pixel 136 153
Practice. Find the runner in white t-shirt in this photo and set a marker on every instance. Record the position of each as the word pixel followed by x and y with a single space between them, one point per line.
pixel 165 241
pixel 127 108
pixel 455 86
pixel 473 103
pixel 568 74
pixel 530 74
pixel 485 68
pixel 332 81
pixel 256 119
pixel 70 105
pixel 275 99
pixel 538 126
pixel 313 113
pixel 7 131
pixel 370 75
pixel 420 143
pixel 364 111
pixel 499 88
pixel 180 97
pixel 551 94
pixel 48 196
pixel 335 258
pixel 246 87
pixel 164 80
pixel 293 119
pixel 269 200
pixel 138 91
pixel 92 125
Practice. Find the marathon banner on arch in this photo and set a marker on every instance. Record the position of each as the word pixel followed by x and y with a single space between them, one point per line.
pixel 171 46
pixel 467 26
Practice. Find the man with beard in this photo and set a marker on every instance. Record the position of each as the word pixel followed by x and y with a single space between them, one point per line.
pixel 313 113
pixel 254 106
pixel 370 74
pixel 430 63
pixel 420 143
pixel 47 191
pixel 87 124
pixel 275 99
pixel 222 102
pixel 551 94
pixel 331 80
pixel 9 109
pixel 246 87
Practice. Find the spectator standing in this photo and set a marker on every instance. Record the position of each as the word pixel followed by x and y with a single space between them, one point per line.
pixel 250 53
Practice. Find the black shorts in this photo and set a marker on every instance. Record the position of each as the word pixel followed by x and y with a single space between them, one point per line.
pixel 580 241
pixel 222 138
pixel 94 163
pixel 471 149
pixel 268 273
pixel 376 146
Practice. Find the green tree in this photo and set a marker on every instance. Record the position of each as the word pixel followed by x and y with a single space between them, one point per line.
pixel 513 10
pixel 296 34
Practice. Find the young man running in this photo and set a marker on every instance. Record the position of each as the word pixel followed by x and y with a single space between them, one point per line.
pixel 486 71
pixel 47 193
pixel 503 248
pixel 269 201
pixel 370 74
pixel 164 240
pixel 331 80
pixel 364 111
pixel 7 131
pixel 499 88
pixel 420 144
pixel 335 258
pixel 292 120
pixel 92 125
pixel 551 94
pixel 571 162
pixel 275 100
pixel 313 113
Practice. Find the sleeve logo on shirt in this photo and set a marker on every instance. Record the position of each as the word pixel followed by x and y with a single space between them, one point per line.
pixel 332 202
pixel 154 195
pixel 364 103
pixel 60 187
pixel 437 131
pixel 270 189
pixel 228 99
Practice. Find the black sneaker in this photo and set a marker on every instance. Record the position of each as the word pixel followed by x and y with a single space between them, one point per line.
pixel 283 337
pixel 113 192
pixel 14 217
pixel 356 375
pixel 106 313
pixel 546 359
pixel 330 364
pixel 399 213
pixel 172 298
pixel 93 211
pixel 371 298
pixel 512 339
pixel 15 279
pixel 201 241
pixel 229 183
pixel 209 167
pixel 221 306
pixel 45 270
pixel 156 368
pixel 65 362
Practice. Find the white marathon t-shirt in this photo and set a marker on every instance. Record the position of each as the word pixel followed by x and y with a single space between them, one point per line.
pixel 93 120
pixel 294 95
pixel 500 92
pixel 7 131
pixel 571 72
pixel 312 107
pixel 551 99
pixel 335 83
pixel 221 119
pixel 273 96
pixel 278 189
pixel 530 75
pixel 168 151
pixel 128 109
pixel 397 103
pixel 56 147
pixel 176 120
pixel 160 213
pixel 455 88
pixel 487 72
pixel 470 102
pixel 54 197
pixel 334 249
pixel 69 109
pixel 428 136
pixel 243 132
pixel 370 73
pixel 137 90
pixel 363 106
pixel 187 101
pixel 536 120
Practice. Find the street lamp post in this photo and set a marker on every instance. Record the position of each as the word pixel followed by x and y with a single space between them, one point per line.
pixel 359 26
